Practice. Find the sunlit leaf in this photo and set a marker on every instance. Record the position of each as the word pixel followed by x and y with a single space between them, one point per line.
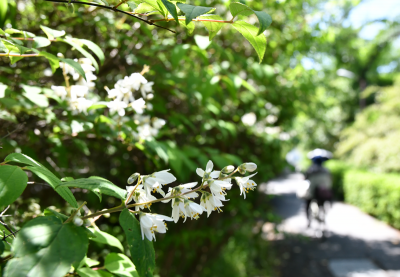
pixel 40 42
pixel 95 48
pixel 77 44
pixel 105 238
pixel 53 60
pixel 263 18
pixel 250 33
pixel 51 34
pixel 99 184
pixel 212 27
pixel 13 181
pixel 46 247
pixel 120 265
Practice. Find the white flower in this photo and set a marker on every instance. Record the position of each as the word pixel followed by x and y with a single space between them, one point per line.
pixel 151 223
pixel 249 119
pixel 117 106
pixel 115 93
pixel 139 196
pixel 182 189
pixel 245 184
pixel 60 91
pixel 136 80
pixel 81 104
pixel 146 88
pixel 158 123
pixel 78 91
pixel 138 105
pixel 190 209
pixel 218 187
pixel 207 174
pixel 211 203
pixel 156 180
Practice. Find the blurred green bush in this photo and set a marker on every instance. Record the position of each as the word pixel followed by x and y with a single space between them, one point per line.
pixel 337 169
pixel 375 193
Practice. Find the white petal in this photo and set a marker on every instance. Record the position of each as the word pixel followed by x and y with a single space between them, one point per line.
pixel 196 207
pixel 148 234
pixel 167 195
pixel 163 217
pixel 175 213
pixel 209 166
pixel 165 176
pixel 189 185
pixel 200 172
pixel 146 221
pixel 215 174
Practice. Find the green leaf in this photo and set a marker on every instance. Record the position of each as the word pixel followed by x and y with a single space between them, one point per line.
pixel 142 251
pixel 250 33
pixel 193 11
pixel 88 272
pixel 2 247
pixel 95 48
pixel 13 181
pixel 12 31
pixel 46 247
pixel 120 265
pixel 22 159
pixel 101 185
pixel 145 8
pixel 51 212
pixel 98 105
pixel 66 179
pixel 75 65
pixel 40 42
pixel 190 27
pixel 102 2
pixel 263 18
pixel 3 11
pixel 76 43
pixel 44 174
pixel 103 237
pixel 132 5
pixel 53 60
pixel 90 262
pixel 171 9
pixel 35 96
pixel 212 27
pixel 14 48
pixel 51 34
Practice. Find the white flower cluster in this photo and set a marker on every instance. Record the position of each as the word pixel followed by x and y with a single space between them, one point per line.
pixel 77 94
pixel 213 192
pixel 122 94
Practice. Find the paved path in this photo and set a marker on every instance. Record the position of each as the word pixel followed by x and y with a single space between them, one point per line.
pixel 356 245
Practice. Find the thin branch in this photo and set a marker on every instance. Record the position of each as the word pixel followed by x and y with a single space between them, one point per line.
pixel 74 213
pixel 112 9
pixel 199 20
pixel 120 3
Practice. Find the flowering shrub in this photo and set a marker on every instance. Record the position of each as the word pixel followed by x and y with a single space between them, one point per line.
pixel 51 245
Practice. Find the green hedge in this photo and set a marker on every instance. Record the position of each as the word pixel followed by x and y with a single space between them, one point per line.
pixel 376 194
pixel 337 169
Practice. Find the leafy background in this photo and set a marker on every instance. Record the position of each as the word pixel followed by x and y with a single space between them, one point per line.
pixel 202 89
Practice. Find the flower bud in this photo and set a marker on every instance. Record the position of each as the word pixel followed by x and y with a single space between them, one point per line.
pixel 78 221
pixel 242 169
pixel 228 169
pixel 250 167
pixel 87 222
pixel 133 178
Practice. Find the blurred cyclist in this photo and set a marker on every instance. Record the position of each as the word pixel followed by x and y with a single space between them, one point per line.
pixel 320 180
